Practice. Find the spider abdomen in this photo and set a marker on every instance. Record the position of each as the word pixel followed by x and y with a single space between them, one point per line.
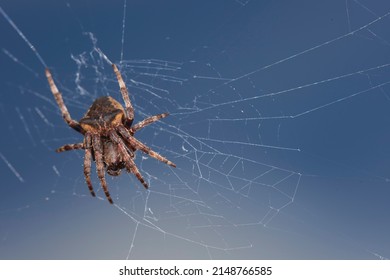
pixel 105 113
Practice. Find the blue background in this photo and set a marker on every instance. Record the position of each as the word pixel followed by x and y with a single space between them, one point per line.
pixel 279 126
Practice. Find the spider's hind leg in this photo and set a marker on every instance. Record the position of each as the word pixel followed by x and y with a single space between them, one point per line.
pixel 98 152
pixel 70 147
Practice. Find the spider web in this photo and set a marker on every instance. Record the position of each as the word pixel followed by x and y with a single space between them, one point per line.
pixel 278 125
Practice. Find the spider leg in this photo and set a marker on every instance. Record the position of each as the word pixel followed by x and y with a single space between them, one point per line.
pixel 98 151
pixel 130 164
pixel 60 102
pixel 87 163
pixel 147 121
pixel 125 95
pixel 69 147
pixel 140 146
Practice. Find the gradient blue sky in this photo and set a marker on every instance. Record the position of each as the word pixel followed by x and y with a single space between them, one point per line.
pixel 279 126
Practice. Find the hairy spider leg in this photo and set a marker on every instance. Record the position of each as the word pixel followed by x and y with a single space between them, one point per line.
pixel 147 121
pixel 98 152
pixel 60 102
pixel 69 147
pixel 140 146
pixel 125 95
pixel 87 163
pixel 130 164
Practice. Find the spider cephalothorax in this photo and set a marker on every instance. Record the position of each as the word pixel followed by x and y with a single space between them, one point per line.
pixel 108 135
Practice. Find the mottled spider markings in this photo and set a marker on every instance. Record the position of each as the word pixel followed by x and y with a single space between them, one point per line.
pixel 108 135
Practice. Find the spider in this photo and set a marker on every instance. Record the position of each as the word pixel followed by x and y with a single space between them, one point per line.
pixel 108 135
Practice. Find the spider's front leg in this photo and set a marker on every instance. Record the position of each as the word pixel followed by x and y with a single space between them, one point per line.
pixel 60 102
pixel 130 164
pixel 125 95
pixel 140 146
pixel 98 151
pixel 87 163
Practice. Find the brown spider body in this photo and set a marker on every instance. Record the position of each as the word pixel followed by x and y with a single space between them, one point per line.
pixel 108 135
pixel 105 113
